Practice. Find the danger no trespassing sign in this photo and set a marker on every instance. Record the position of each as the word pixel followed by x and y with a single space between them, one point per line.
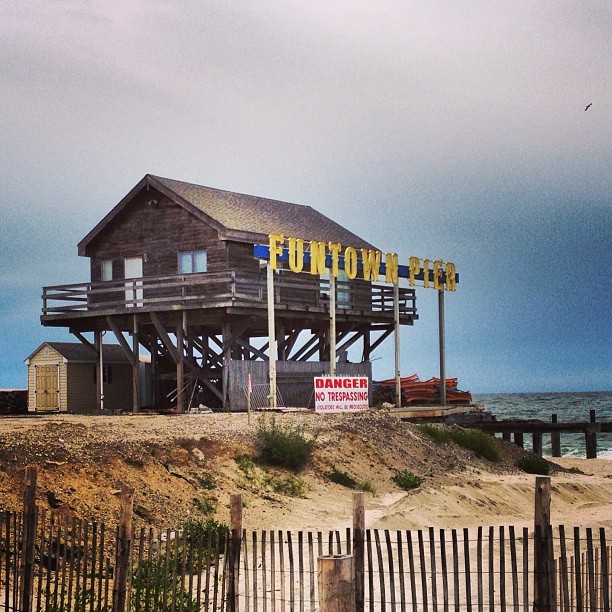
pixel 341 393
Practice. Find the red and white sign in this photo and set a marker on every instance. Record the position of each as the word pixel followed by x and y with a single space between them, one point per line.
pixel 341 393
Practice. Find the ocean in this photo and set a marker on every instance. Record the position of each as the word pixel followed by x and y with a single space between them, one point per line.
pixel 569 407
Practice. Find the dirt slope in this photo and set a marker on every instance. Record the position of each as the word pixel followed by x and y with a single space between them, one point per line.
pixel 181 466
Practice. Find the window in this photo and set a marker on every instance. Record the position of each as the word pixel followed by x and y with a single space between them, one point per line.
pixel 107 374
pixel 192 261
pixel 107 269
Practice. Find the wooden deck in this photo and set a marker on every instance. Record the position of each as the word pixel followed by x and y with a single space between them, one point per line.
pixel 222 291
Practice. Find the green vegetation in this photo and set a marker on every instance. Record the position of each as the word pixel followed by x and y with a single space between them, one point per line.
pixel 532 464
pixel 289 485
pixel 285 445
pixel 406 480
pixel 259 479
pixel 159 580
pixel 474 440
pixel 435 432
pixel 367 486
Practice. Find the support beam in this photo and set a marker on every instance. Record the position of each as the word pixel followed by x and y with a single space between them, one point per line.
pixel 271 336
pixel 332 324
pixel 396 330
pixel 180 379
pixel 318 340
pixel 442 347
pixel 122 341
pixel 381 339
pixel 164 337
pixel 99 348
pixel 135 367
pixel 83 339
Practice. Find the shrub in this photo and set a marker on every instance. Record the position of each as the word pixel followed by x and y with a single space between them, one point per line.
pixel 285 445
pixel 367 486
pixel 406 480
pixel 290 485
pixel 532 464
pixel 477 441
pixel 474 440
pixel 158 587
pixel 342 478
pixel 434 432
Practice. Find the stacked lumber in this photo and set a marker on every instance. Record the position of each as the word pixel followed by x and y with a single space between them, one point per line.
pixel 419 392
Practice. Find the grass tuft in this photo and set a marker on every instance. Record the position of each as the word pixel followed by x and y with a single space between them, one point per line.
pixel 532 464
pixel 285 445
pixel 473 440
pixel 406 480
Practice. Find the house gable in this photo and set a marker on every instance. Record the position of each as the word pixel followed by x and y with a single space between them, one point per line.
pixel 234 216
pixel 156 228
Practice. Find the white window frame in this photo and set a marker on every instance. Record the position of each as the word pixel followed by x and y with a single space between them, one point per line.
pixel 192 258
pixel 106 270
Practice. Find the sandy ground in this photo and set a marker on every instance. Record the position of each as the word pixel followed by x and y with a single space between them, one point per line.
pixel 169 460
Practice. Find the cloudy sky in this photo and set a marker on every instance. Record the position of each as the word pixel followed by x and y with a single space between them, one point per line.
pixel 443 129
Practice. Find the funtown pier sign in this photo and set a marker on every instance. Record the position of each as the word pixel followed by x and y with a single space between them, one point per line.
pixel 368 264
pixel 330 259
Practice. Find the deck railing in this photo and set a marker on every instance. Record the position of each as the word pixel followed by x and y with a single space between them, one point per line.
pixel 220 289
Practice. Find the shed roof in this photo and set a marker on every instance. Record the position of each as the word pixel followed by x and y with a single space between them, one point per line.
pixel 79 352
pixel 238 216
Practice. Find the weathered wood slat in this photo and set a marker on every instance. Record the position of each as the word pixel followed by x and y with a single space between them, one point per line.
pixel 467 570
pixel 423 569
pixel 370 571
pixel 479 570
pixel 605 570
pixel 491 598
pixel 413 593
pixel 514 569
pixel 391 570
pixel 445 593
pixel 432 561
pixel 380 570
pixel 400 568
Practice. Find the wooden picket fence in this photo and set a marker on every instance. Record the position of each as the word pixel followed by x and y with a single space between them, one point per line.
pixel 76 565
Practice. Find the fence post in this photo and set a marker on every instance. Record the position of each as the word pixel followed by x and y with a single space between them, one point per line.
pixel 544 576
pixel 28 540
pixel 234 552
pixel 124 549
pixel 359 549
pixel 336 583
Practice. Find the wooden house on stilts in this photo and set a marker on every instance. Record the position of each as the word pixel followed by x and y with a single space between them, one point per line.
pixel 173 271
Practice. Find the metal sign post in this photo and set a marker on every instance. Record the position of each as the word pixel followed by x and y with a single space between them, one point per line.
pixel 442 355
pixel 271 336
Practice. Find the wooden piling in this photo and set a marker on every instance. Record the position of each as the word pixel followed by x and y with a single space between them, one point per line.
pixel 234 552
pixel 124 551
pixel 555 439
pixel 28 539
pixel 537 443
pixel 336 583
pixel 591 437
pixel 359 550
pixel 544 576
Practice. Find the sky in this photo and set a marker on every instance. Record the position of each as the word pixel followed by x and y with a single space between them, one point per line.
pixel 441 129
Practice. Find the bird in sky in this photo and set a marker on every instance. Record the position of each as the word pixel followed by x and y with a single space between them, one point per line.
pixel 588 106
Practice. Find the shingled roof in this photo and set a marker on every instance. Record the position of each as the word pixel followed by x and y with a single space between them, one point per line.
pixel 238 216
pixel 77 351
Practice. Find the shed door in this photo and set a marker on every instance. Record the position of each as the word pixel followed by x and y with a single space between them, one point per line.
pixel 133 290
pixel 47 387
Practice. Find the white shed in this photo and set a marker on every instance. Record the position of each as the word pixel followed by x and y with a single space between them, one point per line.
pixel 63 377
